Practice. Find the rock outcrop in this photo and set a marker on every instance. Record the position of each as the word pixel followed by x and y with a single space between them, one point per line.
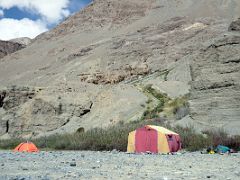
pixel 235 25
pixel 90 70
pixel 24 41
pixel 26 111
pixel 8 47
pixel 215 88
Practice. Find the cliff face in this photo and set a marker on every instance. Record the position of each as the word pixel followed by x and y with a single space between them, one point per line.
pixel 215 88
pixel 91 70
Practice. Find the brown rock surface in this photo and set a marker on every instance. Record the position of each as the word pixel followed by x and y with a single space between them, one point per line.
pixel 7 47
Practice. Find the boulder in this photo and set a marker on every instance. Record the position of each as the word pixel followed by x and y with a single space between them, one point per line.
pixel 235 25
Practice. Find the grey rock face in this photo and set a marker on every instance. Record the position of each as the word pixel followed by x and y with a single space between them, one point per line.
pixel 215 90
pixel 25 112
pixel 7 47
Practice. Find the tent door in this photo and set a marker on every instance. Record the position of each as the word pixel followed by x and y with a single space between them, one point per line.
pixel 146 140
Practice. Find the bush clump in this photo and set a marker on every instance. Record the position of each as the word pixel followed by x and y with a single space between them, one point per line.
pixel 178 107
pixel 10 143
pixel 116 137
pixel 191 140
pixel 153 112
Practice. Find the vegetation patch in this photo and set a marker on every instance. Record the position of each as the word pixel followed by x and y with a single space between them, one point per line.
pixel 116 137
pixel 177 108
pixel 10 143
pixel 154 111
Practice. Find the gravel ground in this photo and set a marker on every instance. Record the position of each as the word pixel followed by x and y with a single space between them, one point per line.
pixel 115 165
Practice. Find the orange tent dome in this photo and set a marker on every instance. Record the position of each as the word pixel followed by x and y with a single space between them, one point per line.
pixel 26 147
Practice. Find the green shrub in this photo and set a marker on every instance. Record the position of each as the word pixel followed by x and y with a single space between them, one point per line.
pixel 153 112
pixel 10 143
pixel 177 107
pixel 158 95
pixel 191 140
pixel 116 137
pixel 220 137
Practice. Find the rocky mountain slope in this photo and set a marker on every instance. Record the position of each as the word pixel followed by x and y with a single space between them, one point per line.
pixel 91 70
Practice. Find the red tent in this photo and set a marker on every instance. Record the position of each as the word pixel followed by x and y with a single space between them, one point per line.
pixel 153 139
pixel 26 147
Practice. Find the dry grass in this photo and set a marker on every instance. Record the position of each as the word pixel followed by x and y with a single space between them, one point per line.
pixel 115 137
pixel 191 140
pixel 10 143
pixel 221 137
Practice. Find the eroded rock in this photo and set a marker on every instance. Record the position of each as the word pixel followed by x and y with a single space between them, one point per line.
pixel 215 88
pixel 24 112
pixel 235 25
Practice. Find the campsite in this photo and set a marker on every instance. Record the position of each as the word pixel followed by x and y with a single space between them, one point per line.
pixel 152 152
pixel 119 89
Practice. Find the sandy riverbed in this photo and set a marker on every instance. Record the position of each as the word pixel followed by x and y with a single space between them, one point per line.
pixel 115 165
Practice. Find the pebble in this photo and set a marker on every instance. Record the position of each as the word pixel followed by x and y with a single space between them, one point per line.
pixel 22 178
pixel 114 151
pixel 73 164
